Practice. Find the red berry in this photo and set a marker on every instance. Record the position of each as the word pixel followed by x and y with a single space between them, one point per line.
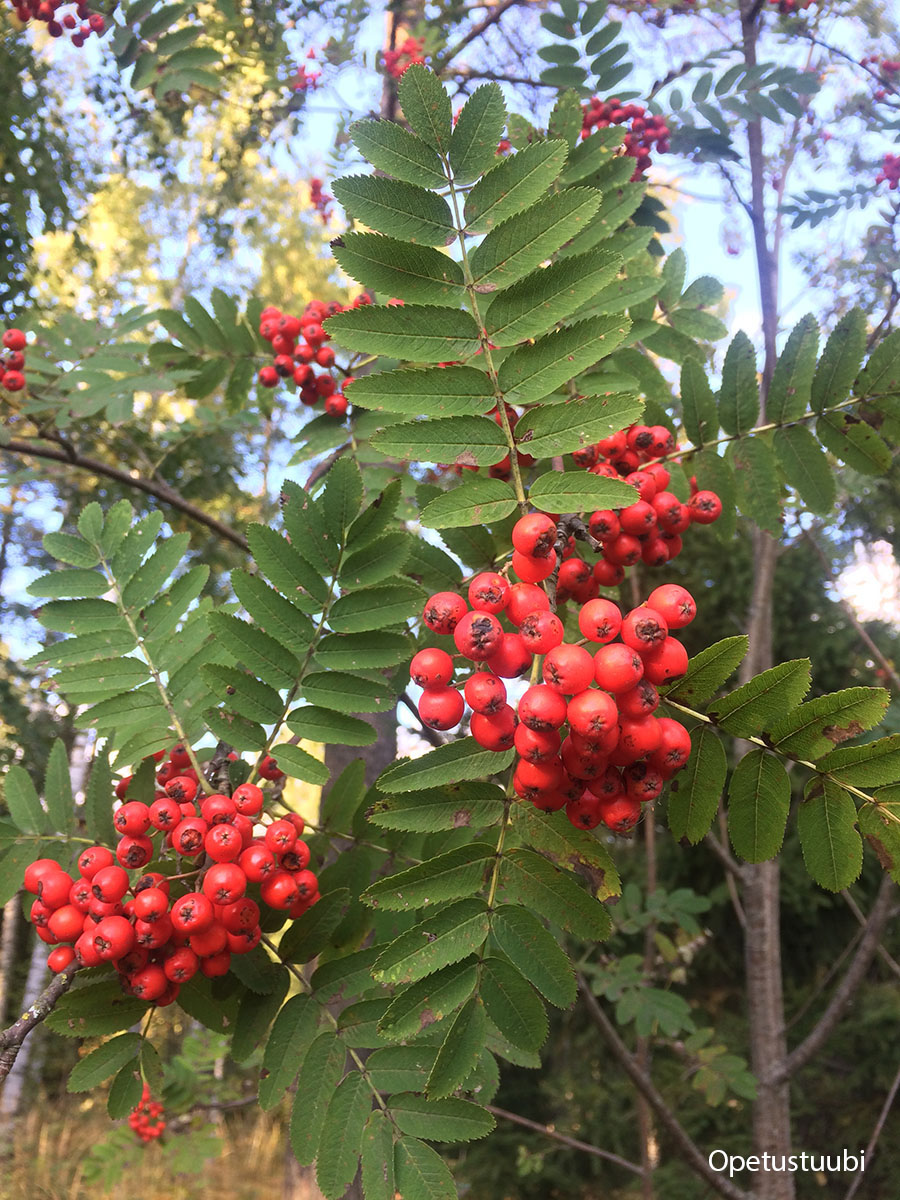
pixel 604 525
pixel 477 635
pixel 541 632
pixel 536 747
pixel 542 708
pixel 150 904
pixel 640 701
pixel 182 788
pixel 441 708
pixel 705 507
pixel 644 629
pixel 621 814
pixel 443 612
pixel 485 693
pixel 525 599
pixel 585 812
pixel 489 592
pixel 223 843
pixel 534 536
pixel 257 862
pixel 600 620
pixel 668 661
pixel 113 938
pixel 268 377
pixel 617 668
pixel 431 668
pixel 14 339
pixel 512 657
pixel 495 732
pixel 192 913
pixel 568 669
pixel 132 818
pixel 532 570
pixel 674 747
pixel 592 712
pixel 110 884
pixel 248 799
pixel 280 890
pixel 60 959
pixel 224 883
pixel 189 835
pixel 674 603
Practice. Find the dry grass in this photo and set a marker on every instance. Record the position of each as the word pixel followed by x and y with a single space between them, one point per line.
pixel 242 1158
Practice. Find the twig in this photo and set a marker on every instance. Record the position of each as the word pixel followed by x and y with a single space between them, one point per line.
pixel 564 1139
pixel 475 32
pixel 11 1039
pixel 886 958
pixel 876 1132
pixel 686 1147
pixel 161 491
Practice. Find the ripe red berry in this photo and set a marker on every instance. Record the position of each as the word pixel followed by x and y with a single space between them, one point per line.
pixel 132 818
pixel 477 635
pixel 604 525
pixel 495 732
pixel 268 377
pixel 668 661
pixel 431 668
pixel 224 883
pixel 541 632
pixel 600 620
pixel 42 867
pixel 617 668
pixel 705 507
pixel 621 814
pixel 532 570
pixel 13 381
pixel 60 959
pixel 257 862
pixel 150 904
pixel 280 890
pixel 441 707
pixel 585 812
pixel 181 788
pixel 53 888
pixel 134 852
pixel 489 592
pixel 534 535
pixel 592 712
pixel 485 693
pixel 223 843
pixel 674 748
pixel 181 965
pixel 534 746
pixel 110 884
pixel 14 339
pixel 113 938
pixel 248 799
pixel 568 669
pixel 525 599
pixel 542 708
pixel 192 913
pixel 189 835
pixel 644 629
pixel 150 983
pixel 674 603
pixel 443 612
pixel 512 657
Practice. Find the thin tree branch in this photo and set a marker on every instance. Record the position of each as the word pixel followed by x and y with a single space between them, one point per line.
pixel 11 1039
pixel 688 1150
pixel 564 1139
pixel 876 1132
pixel 890 962
pixel 844 992
pixel 161 491
pixel 475 32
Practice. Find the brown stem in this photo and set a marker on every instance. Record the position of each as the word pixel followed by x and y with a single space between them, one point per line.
pixel 161 491
pixel 876 1132
pixel 882 910
pixel 475 32
pixel 563 1138
pixel 686 1148
pixel 12 1038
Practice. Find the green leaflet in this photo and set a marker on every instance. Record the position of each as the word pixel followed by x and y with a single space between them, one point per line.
pixel 513 185
pixel 534 304
pixel 574 850
pixel 478 502
pixel 708 670
pixel 789 391
pixel 243 693
pixel 426 106
pixel 588 156
pixel 460 1050
pixel 273 613
pixel 68 548
pixel 871 765
pixel 840 361
pixel 759 799
pixel 377 561
pixel 854 442
pixel 535 952
pixel 291 1036
pixel 362 651
pixel 23 802
pixel 831 844
pixel 881 374
pixel 161 618
pixel 578 491
pixel 575 423
pixel 420 1173
pixel 430 1000
pixel 401 1068
pixel 320 1074
pixel 478 130
pixel 760 702
pixel 95 1009
pixel 806 468
pixel 448 1120
pixel 313 932
pixel 455 761
pixel 392 149
pixel 294 577
pixel 399 269
pixel 478 805
pixel 534 371
pixel 347 693
pixel 615 208
pixel 459 872
pixel 418 332
pixel 756 480
pixel 512 1004
pixel 442 939
pixel 400 210
pixel 537 884
pixel 739 394
pixel 80 616
pixel 883 835
pixel 429 391
pixel 261 654
pixel 518 247
pixel 341 1137
pixel 103 1062
pixel 378 1158
pixel 68 583
pixel 694 795
pixel 826 721
pixel 297 763
pixel 147 581
pixel 472 441
pixel 698 405
pixel 375 608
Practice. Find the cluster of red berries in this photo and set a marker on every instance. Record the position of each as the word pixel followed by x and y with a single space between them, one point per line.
pixel 408 52
pixel 890 171
pixel 320 200
pixel 146 1119
pixel 643 132
pixel 305 81
pixel 80 24
pixel 299 346
pixel 617 754
pixel 171 926
pixel 650 529
pixel 12 364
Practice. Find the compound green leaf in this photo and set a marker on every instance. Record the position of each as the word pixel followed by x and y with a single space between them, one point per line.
pixel 881 374
pixel 273 613
pixel 532 372
pixel 474 805
pixel 377 561
pixel 95 1009
pixel 23 802
pixel 455 761
pixel 615 208
pixel 68 548
pixel 294 577
pixel 243 693
pixel 401 1068
pixel 261 654
pixel 429 391
pixel 297 763
pixel 573 850
pixel 333 728
pixel 759 800
pixel 58 790
pixel 66 583
pixel 478 502
pixel 311 933
pixel 148 580
pixel 694 793
pixel 463 441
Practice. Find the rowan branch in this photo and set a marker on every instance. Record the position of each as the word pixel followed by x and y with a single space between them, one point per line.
pixel 475 32
pixel 685 1146
pixel 11 1039
pixel 564 1139
pixel 844 992
pixel 876 1132
pixel 162 491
